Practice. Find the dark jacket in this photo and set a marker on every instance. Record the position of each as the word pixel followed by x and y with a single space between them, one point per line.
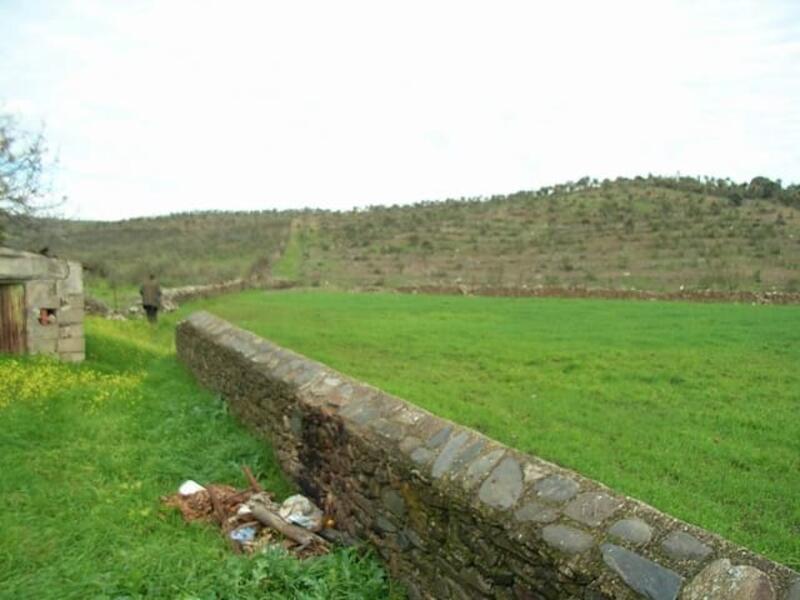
pixel 151 293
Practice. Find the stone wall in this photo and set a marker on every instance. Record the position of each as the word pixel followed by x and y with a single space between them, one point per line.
pixel 172 298
pixel 179 295
pixel 453 513
pixel 540 291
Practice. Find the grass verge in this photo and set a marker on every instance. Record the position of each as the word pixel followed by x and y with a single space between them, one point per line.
pixel 87 450
pixel 692 408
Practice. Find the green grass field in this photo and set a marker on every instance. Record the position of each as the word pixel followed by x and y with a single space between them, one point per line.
pixel 692 408
pixel 85 453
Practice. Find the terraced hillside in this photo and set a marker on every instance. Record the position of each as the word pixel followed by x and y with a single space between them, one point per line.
pixel 645 233
pixel 622 235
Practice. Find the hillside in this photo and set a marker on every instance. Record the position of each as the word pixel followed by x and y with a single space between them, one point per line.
pixel 181 249
pixel 645 233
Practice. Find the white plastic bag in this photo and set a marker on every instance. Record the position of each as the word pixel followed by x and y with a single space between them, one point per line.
pixel 190 487
pixel 301 511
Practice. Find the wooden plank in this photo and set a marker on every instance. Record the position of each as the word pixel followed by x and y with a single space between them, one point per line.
pixel 13 336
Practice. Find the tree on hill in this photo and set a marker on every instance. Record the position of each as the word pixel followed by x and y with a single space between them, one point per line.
pixel 762 187
pixel 22 160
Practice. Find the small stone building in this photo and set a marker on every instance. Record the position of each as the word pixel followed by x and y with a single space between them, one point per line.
pixel 41 305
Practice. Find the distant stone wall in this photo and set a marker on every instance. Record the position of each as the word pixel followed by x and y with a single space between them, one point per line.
pixel 454 513
pixel 179 295
pixel 172 298
pixel 711 296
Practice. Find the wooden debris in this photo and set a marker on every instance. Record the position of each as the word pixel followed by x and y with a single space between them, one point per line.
pixel 254 485
pixel 219 514
pixel 302 536
pixel 221 504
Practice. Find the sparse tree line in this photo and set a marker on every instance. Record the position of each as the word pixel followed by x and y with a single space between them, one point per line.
pixel 758 188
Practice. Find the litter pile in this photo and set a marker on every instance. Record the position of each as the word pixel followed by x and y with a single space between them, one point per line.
pixel 250 519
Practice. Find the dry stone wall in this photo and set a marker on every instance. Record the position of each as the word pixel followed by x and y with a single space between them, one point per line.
pixel 172 298
pixel 453 513
pixel 179 295
pixel 539 291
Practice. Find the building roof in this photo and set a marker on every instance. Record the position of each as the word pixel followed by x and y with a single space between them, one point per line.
pixel 16 265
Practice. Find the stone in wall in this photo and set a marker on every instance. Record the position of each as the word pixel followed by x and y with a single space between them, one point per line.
pixel 721 580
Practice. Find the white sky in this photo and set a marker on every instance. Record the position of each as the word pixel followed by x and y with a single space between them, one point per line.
pixel 167 106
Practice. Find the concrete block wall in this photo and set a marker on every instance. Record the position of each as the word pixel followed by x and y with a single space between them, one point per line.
pixel 53 284
pixel 453 513
pixel 65 337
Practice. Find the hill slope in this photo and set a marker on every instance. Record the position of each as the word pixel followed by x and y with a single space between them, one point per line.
pixel 655 233
pixel 626 234
pixel 182 249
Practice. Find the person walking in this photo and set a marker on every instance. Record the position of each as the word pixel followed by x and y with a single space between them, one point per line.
pixel 151 298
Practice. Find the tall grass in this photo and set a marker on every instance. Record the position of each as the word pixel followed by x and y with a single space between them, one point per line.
pixel 87 450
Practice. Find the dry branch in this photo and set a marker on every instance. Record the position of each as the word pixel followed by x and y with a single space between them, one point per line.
pixel 254 485
pixel 302 536
pixel 219 513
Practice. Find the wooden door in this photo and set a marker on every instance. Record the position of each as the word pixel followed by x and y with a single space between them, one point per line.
pixel 12 318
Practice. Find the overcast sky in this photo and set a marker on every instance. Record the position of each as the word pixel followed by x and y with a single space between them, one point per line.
pixel 167 106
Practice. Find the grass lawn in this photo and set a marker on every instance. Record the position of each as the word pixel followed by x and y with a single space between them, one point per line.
pixel 85 453
pixel 692 408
